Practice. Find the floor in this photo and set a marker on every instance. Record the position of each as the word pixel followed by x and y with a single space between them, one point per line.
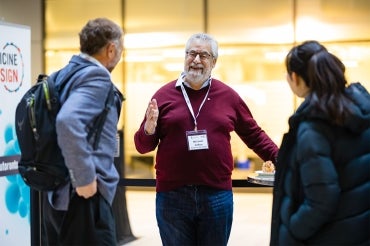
pixel 251 226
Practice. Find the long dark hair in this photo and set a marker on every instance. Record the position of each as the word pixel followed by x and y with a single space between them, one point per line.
pixel 323 73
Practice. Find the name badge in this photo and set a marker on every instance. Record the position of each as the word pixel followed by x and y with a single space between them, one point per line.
pixel 197 139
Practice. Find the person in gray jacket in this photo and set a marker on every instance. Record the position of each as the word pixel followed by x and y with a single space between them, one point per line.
pixel 80 212
pixel 322 181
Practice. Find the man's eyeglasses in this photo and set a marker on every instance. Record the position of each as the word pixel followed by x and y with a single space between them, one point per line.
pixel 202 55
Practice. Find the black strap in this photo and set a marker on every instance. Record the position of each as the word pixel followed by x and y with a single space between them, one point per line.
pixel 97 127
pixel 100 120
pixel 54 90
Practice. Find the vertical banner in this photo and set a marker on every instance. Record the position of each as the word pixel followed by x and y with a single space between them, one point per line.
pixel 15 73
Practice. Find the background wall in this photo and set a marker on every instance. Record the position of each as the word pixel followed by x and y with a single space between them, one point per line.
pixel 28 13
pixel 16 40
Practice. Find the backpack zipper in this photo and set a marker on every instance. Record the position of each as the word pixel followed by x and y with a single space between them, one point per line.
pixel 31 113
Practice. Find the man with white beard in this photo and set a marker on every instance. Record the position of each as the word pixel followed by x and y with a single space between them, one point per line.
pixel 190 120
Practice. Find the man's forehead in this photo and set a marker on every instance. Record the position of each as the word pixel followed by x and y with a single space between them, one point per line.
pixel 200 45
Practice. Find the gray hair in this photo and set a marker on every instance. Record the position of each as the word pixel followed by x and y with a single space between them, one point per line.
pixel 97 33
pixel 204 37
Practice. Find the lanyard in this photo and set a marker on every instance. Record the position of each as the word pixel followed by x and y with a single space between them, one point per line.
pixel 187 100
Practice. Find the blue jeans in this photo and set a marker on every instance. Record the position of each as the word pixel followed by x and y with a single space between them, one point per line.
pixel 194 215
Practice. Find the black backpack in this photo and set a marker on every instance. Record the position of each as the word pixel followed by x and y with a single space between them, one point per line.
pixel 41 164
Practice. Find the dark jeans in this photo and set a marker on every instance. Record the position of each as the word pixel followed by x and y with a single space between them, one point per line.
pixel 87 222
pixel 194 215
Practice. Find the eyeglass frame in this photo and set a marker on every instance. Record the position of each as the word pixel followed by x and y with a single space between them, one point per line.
pixel 202 55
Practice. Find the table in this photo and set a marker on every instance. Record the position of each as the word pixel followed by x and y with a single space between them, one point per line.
pixel 249 182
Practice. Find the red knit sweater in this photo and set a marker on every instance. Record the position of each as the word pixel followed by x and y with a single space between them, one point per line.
pixel 224 111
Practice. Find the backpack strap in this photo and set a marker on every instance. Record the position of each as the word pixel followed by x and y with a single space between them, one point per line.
pixel 69 75
pixel 97 127
pixel 52 91
pixel 100 120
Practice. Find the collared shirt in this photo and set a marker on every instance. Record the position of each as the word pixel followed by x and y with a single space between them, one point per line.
pixel 93 60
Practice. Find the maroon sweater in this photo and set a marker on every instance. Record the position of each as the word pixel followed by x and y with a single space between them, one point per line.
pixel 223 112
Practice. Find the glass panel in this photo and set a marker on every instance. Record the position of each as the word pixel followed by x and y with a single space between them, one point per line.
pixel 63 23
pixel 356 58
pixel 333 20
pixel 64 19
pixel 251 63
pixel 161 22
pixel 154 65
pixel 252 21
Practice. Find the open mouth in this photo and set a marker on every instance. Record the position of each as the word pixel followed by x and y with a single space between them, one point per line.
pixel 196 69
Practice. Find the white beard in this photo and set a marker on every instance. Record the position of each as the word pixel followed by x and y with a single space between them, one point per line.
pixel 195 78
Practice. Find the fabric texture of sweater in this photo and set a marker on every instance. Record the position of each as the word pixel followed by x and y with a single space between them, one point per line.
pixel 223 111
pixel 322 181
pixel 87 93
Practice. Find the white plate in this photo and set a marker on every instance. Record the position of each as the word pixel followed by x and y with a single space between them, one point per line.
pixel 263 174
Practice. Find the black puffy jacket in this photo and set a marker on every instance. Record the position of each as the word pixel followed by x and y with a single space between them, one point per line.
pixel 322 182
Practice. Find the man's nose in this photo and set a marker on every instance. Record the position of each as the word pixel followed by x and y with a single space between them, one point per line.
pixel 197 58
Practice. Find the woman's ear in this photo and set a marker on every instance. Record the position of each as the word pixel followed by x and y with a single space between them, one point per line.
pixel 301 88
pixel 295 78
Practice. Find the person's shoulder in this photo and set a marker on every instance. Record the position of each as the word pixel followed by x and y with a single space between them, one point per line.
pixel 220 84
pixel 224 87
pixel 168 86
pixel 217 82
pixel 84 65
pixel 93 73
pixel 87 73
pixel 171 83
pixel 165 90
pixel 317 128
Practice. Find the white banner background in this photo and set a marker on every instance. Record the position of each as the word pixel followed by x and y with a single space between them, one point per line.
pixel 15 73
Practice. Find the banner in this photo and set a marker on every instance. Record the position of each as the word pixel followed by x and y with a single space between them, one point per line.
pixel 15 73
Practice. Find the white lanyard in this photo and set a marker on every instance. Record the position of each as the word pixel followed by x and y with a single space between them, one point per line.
pixel 187 100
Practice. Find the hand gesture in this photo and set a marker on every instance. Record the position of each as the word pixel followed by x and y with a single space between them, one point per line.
pixel 151 117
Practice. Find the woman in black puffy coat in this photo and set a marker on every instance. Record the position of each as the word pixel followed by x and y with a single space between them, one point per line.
pixel 322 182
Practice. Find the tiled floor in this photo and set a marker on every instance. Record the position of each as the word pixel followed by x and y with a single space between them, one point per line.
pixel 251 226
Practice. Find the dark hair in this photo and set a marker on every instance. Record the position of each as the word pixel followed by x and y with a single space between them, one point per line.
pixel 97 33
pixel 323 73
